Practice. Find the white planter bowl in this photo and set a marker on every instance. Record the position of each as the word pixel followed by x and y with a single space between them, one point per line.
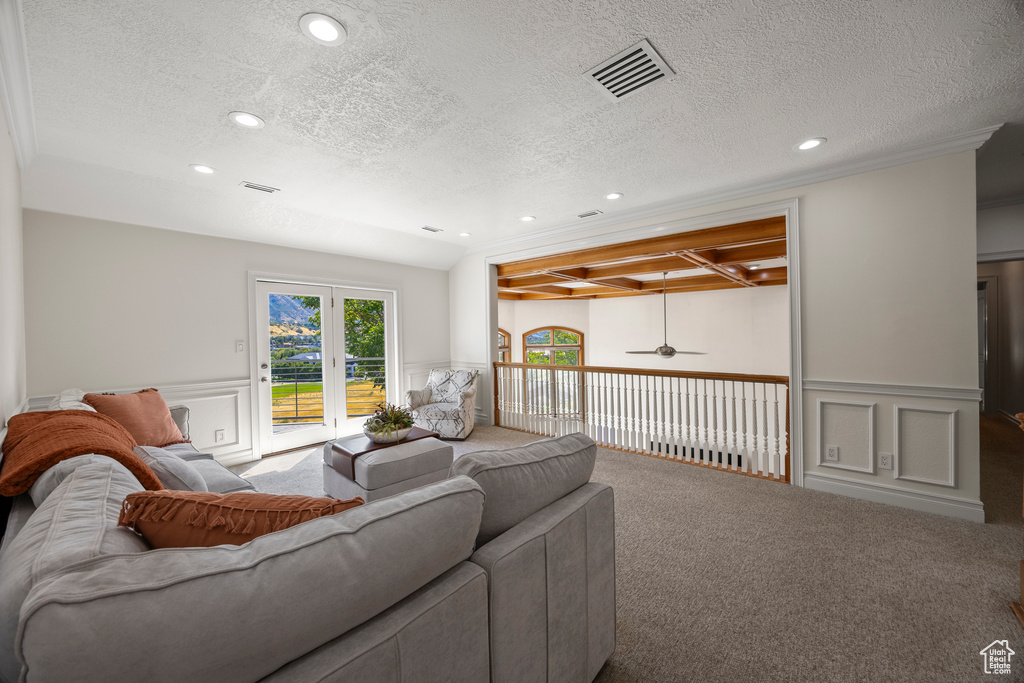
pixel 395 436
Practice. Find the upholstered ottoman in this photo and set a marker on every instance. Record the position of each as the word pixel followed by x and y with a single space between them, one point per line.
pixel 386 471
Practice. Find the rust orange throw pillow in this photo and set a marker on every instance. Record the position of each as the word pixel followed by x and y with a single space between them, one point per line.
pixel 192 519
pixel 39 440
pixel 144 414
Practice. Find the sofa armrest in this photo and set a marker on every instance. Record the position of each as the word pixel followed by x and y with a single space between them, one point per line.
pixel 551 581
pixel 417 397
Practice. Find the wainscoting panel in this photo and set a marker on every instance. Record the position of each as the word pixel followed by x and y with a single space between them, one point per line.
pixel 932 434
pixel 925 445
pixel 414 375
pixel 850 425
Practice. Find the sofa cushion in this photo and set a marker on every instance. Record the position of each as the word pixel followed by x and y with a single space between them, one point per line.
pixel 78 521
pixel 520 481
pixel 144 414
pixel 70 399
pixel 303 587
pixel 173 472
pixel 180 416
pixel 198 519
pixel 218 478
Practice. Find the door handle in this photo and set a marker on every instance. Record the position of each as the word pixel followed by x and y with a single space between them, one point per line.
pixel 264 379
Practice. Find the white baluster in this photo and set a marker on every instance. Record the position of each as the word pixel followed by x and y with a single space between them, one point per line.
pixel 735 437
pixel 664 433
pixel 714 423
pixel 688 456
pixel 776 457
pixel 707 443
pixel 767 455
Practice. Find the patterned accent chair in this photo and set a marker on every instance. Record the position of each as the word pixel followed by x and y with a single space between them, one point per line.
pixel 446 405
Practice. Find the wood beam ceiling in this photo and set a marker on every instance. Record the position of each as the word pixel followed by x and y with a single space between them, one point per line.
pixel 611 271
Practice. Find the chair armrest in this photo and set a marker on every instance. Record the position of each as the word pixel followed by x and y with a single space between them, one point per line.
pixel 468 398
pixel 418 397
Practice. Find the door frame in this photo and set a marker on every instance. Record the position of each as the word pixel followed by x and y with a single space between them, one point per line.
pixel 992 388
pixel 264 390
pixel 285 278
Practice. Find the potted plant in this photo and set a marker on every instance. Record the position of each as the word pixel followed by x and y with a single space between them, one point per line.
pixel 389 424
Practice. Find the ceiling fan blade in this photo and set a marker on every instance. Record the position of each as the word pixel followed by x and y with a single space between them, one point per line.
pixel 694 353
pixel 641 352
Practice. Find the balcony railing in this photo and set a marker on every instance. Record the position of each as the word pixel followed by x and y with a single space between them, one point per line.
pixel 297 389
pixel 738 423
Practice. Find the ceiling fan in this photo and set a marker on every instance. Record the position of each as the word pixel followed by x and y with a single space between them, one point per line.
pixel 666 351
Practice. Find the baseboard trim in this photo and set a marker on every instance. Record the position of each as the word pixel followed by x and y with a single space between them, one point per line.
pixel 948 393
pixel 236 458
pixel 972 511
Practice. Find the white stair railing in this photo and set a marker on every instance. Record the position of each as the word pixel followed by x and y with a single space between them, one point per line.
pixel 737 423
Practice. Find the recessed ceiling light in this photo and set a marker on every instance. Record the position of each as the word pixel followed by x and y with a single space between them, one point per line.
pixel 527 219
pixel 613 195
pixel 323 29
pixel 201 168
pixel 465 234
pixel 246 120
pixel 753 266
pixel 810 144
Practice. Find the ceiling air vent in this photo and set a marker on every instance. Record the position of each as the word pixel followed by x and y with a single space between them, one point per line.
pixel 588 214
pixel 629 71
pixel 430 228
pixel 257 186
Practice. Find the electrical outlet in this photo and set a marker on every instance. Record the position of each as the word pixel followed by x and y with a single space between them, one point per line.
pixel 218 435
pixel 832 453
pixel 885 461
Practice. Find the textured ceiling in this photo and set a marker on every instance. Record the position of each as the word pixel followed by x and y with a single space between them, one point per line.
pixel 465 115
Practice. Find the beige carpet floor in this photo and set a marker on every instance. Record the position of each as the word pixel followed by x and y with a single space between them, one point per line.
pixel 726 578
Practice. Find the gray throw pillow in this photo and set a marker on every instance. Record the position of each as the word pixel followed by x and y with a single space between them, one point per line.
pixel 520 481
pixel 173 472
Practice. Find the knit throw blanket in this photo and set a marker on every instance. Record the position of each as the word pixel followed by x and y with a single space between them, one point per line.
pixel 37 441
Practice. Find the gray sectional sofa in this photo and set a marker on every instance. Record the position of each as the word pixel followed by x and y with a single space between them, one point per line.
pixel 503 572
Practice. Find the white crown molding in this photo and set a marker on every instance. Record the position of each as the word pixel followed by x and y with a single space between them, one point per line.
pixel 15 86
pixel 1001 256
pixel 958 143
pixel 945 393
pixel 935 503
pixel 1002 201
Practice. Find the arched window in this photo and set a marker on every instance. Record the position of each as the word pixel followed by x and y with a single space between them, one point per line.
pixel 553 346
pixel 504 346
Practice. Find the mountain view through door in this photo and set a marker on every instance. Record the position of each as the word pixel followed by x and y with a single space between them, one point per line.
pixel 297 359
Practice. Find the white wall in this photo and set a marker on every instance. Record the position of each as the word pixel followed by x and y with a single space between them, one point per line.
pixel 1001 232
pixel 742 331
pixel 888 300
pixel 112 306
pixel 12 301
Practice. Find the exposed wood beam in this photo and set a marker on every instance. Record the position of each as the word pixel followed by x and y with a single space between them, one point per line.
pixel 542 289
pixel 771 275
pixel 568 273
pixel 709 238
pixel 737 274
pixel 617 283
pixel 510 296
pixel 751 252
pixel 654 265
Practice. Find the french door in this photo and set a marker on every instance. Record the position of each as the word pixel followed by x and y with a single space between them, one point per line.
pixel 295 365
pixel 325 358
